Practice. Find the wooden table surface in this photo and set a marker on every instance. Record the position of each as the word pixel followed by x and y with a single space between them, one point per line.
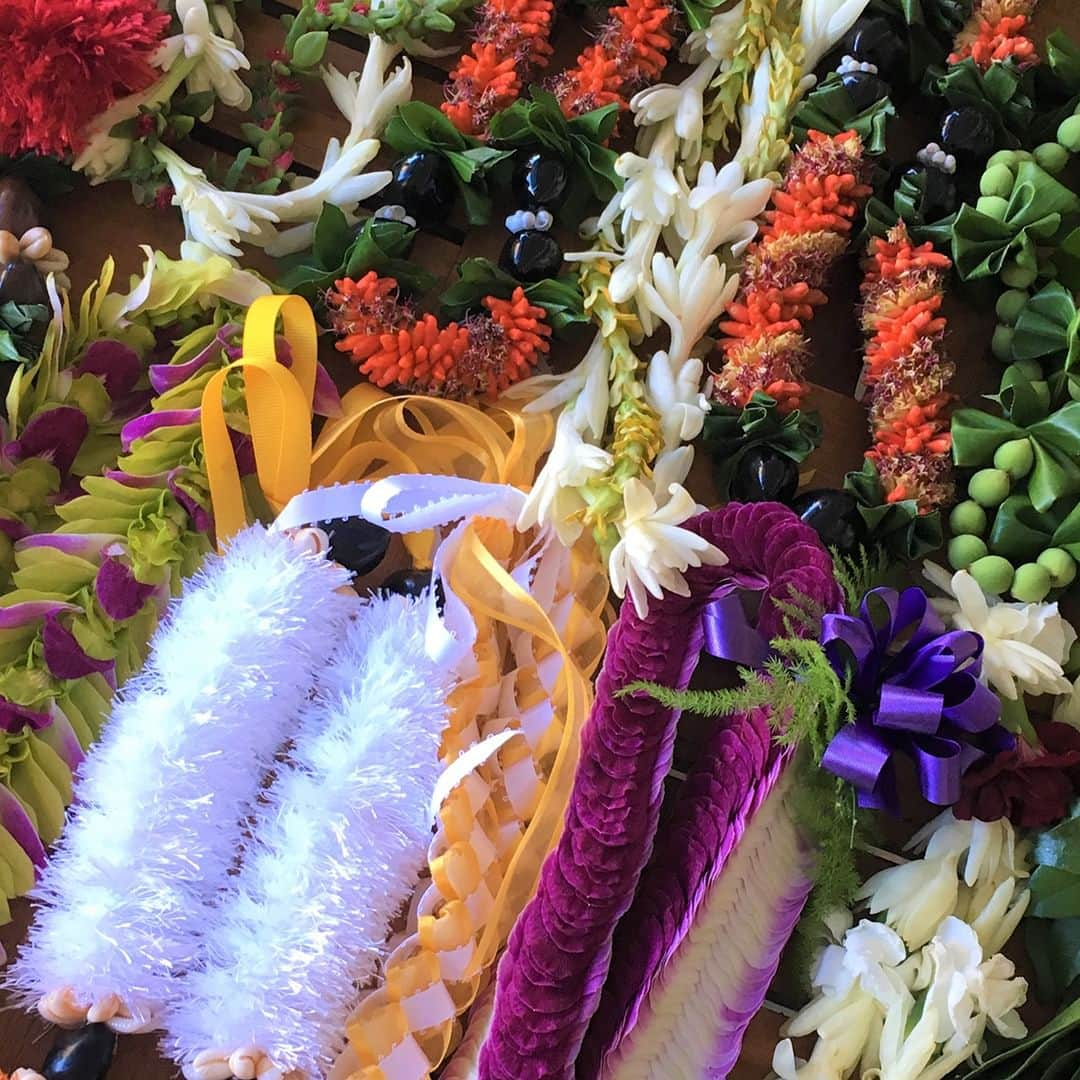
pixel 93 223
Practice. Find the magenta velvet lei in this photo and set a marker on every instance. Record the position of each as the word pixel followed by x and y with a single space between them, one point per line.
pixel 551 976
pixel 736 772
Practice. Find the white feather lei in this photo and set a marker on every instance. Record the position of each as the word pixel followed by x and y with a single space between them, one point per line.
pixel 338 845
pixel 123 905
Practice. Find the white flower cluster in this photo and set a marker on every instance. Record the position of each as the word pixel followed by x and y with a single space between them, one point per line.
pixel 687 290
pixel 673 233
pixel 911 997
pixel 219 55
pixel 1024 645
pixel 205 56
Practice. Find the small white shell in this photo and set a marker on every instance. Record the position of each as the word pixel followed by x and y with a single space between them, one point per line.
pixel 521 221
pixel 849 63
pixel 36 243
pixel 395 212
pixel 9 246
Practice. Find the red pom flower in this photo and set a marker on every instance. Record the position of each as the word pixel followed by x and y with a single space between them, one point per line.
pixel 66 61
pixel 1032 787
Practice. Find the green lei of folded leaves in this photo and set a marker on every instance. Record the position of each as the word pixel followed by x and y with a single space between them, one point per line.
pixel 730 432
pixel 828 108
pixel 20 325
pixel 405 22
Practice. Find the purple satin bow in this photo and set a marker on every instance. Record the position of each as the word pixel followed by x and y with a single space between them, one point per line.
pixel 917 691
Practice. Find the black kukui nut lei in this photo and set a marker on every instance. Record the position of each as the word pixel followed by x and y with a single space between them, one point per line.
pixel 968 134
pixel 875 40
pixel 834 516
pixel 540 184
pixel 541 181
pixel 764 474
pixel 864 88
pixel 531 255
pixel 356 544
pixel 424 184
pixel 83 1054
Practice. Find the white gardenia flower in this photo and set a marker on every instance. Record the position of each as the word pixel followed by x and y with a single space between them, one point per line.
pixel 689 297
pixel 555 501
pixel 674 391
pixel 219 58
pixel 915 896
pixel 859 982
pixel 869 955
pixel 653 549
pixel 717 39
pixel 918 895
pixel 1024 645
pixel 367 99
pixel 992 851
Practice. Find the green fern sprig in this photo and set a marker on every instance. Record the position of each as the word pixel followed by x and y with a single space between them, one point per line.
pixel 824 808
pixel 802 614
pixel 858 574
pixel 807 701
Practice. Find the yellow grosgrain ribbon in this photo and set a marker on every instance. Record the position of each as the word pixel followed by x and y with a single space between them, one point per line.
pixel 278 402
pixel 470 909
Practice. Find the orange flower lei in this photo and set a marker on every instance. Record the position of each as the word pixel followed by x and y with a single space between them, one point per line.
pixel 512 36
pixel 631 50
pixel 994 33
pixel 905 372
pixel 806 231
pixel 392 347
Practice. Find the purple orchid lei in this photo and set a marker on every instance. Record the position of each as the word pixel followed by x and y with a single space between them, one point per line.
pixel 552 977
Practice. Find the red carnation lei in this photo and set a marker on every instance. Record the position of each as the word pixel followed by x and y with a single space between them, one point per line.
pixel 64 62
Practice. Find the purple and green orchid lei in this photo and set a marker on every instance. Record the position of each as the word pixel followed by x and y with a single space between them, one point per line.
pixel 104 509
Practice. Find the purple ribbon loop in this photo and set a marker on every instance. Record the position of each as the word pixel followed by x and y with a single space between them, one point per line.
pixel 904 708
pixel 729 635
pixel 916 688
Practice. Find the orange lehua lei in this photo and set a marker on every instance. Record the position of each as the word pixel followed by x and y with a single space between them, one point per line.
pixel 805 232
pixel 993 34
pixel 904 370
pixel 631 50
pixel 999 41
pixel 393 347
pixel 512 37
